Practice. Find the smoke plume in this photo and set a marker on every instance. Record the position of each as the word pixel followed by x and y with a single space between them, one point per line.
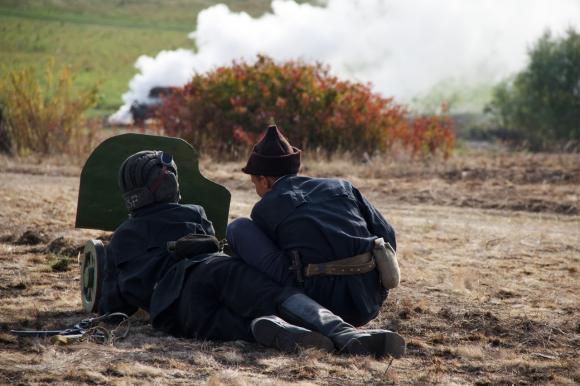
pixel 404 48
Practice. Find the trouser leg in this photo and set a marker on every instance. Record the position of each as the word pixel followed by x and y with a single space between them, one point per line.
pixel 201 316
pixel 248 242
pixel 245 290
pixel 225 299
pixel 222 296
pixel 253 295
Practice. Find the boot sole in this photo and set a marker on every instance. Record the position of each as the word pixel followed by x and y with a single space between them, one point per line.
pixel 379 344
pixel 271 334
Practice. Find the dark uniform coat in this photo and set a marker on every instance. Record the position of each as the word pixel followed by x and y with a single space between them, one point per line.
pixel 137 257
pixel 327 220
pixel 208 296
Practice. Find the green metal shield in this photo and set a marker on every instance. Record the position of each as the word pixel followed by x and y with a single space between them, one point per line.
pixel 100 205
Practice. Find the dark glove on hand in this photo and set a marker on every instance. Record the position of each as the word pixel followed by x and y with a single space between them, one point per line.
pixel 193 244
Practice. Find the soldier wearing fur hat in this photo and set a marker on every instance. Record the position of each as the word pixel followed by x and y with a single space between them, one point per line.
pixel 165 259
pixel 318 234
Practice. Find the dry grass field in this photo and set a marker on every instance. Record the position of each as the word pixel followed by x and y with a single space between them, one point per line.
pixel 489 247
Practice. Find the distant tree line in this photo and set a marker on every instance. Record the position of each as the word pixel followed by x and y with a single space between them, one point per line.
pixel 539 107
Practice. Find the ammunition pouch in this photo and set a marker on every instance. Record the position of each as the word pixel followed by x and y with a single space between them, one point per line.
pixel 387 264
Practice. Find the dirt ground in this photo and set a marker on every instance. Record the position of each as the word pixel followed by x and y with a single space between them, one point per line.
pixel 489 248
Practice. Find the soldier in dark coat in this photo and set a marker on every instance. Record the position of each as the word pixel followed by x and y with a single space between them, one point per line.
pixel 192 290
pixel 315 233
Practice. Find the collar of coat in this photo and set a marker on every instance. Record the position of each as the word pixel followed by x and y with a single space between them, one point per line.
pixel 151 209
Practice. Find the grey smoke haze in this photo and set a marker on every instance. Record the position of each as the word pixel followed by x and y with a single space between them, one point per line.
pixel 405 48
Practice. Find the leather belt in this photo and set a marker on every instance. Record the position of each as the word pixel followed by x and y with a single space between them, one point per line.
pixel 355 265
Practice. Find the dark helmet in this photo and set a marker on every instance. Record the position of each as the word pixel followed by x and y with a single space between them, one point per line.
pixel 148 177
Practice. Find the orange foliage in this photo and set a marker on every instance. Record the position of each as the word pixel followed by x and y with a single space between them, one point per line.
pixel 232 105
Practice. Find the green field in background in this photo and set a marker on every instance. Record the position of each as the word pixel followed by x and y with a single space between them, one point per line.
pixel 100 39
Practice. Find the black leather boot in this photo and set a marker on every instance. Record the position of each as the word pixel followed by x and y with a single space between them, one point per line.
pixel 271 331
pixel 303 311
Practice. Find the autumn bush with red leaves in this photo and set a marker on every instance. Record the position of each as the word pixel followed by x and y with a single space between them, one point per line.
pixel 228 108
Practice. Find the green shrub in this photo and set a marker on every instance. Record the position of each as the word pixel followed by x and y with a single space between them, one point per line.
pixel 43 115
pixel 232 105
pixel 540 106
pixel 61 265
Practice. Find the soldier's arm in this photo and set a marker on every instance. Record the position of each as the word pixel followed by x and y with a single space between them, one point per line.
pixel 111 298
pixel 205 223
pixel 262 223
pixel 376 223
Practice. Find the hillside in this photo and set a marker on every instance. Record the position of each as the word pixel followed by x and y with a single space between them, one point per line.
pixel 100 40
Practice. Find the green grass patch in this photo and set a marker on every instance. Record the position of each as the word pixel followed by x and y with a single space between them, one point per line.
pixel 97 54
pixel 99 40
pixel 60 263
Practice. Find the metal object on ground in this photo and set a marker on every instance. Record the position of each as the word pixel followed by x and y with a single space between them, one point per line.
pixel 100 205
pixel 87 329
pixel 92 262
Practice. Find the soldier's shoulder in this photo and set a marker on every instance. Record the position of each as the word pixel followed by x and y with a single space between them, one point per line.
pixel 192 208
pixel 330 184
pixel 298 187
pixel 128 229
pixel 190 211
pixel 127 225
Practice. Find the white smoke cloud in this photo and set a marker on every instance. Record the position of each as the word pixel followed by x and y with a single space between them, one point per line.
pixel 403 47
